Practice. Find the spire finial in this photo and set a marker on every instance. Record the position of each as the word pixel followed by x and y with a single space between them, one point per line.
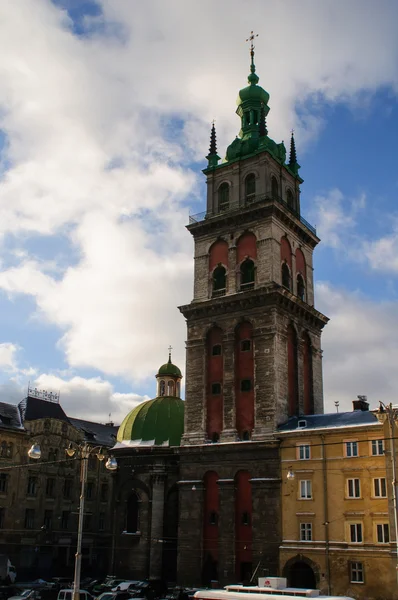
pixel 250 39
pixel 170 349
pixel 213 140
pixel 293 154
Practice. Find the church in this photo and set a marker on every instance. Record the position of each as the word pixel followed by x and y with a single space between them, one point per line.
pixel 198 491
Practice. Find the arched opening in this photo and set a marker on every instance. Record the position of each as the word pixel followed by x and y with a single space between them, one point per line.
pixel 300 287
pixel 247 274
pixel 132 514
pixel 219 281
pixel 250 187
pixel 223 197
pixel 290 200
pixel 170 388
pixel 274 187
pixel 292 371
pixel 210 527
pixel 286 279
pixel 243 527
pixel 308 390
pixel 162 387
pixel 301 575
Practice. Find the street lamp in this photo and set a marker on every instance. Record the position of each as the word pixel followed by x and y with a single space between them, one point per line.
pixel 84 451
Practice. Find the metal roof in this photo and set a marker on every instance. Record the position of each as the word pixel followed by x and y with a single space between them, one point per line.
pixel 330 421
pixel 10 417
pixel 97 433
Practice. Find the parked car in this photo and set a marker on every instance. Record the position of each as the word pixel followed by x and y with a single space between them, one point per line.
pixel 27 595
pixel 68 595
pixel 114 596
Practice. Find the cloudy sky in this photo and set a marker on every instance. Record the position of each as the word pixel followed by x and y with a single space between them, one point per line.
pixel 105 111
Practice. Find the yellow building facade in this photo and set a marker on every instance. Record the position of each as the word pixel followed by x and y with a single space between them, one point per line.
pixel 338 531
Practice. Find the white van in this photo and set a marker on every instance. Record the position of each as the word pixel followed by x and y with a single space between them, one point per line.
pixel 68 595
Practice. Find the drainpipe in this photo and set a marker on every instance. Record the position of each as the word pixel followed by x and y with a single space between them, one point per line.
pixel 326 514
pixel 391 419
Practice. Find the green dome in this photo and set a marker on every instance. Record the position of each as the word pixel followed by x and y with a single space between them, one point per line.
pixel 157 422
pixel 169 369
pixel 253 93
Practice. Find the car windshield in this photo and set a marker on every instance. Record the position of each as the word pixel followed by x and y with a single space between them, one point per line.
pixel 26 593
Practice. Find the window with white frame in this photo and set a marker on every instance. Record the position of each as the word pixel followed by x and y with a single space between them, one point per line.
pixel 356 536
pixel 306 489
pixel 356 572
pixel 380 487
pixel 305 532
pixel 351 449
pixel 303 451
pixel 353 488
pixel 377 447
pixel 383 533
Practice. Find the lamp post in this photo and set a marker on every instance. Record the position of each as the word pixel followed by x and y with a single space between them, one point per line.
pixel 83 451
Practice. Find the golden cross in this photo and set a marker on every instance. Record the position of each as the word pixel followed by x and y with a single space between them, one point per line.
pixel 251 39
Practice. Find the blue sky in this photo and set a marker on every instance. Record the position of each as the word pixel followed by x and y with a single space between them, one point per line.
pixel 105 111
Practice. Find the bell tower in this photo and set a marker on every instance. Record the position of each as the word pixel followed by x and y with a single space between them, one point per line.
pixel 254 336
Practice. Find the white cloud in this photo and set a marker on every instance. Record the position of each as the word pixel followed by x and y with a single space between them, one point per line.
pixel 101 129
pixel 8 352
pixel 360 347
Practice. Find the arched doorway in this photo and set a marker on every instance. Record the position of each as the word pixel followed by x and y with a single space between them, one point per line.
pixel 301 575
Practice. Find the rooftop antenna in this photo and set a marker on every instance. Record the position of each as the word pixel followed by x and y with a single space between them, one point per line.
pixel 337 404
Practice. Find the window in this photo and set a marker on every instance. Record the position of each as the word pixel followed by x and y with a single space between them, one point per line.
pixel 53 454
pixel 2 517
pixel 50 487
pixel 383 533
pixel 245 385
pixel 377 447
pixel 304 452
pixel 90 490
pixel 92 463
pixel 216 350
pixel 300 288
pixel 215 437
pixel 223 197
pixel 48 519
pixel 162 388
pixel 305 532
pixel 65 519
pixel 170 388
pixel 87 521
pixel 245 345
pixel 306 489
pixel 380 487
pixel 216 388
pixel 132 513
pixel 3 450
pixel 101 521
pixel 29 518
pixel 356 572
pixel 32 486
pixel 67 489
pixel 250 187
pixel 104 492
pixel 246 436
pixel 219 281
pixel 246 518
pixel 247 273
pixel 353 488
pixel 290 199
pixel 9 450
pixel 213 518
pixel 351 449
pixel 356 533
pixel 274 188
pixel 3 483
pixel 286 276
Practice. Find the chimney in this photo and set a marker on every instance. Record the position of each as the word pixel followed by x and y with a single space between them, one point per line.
pixel 361 403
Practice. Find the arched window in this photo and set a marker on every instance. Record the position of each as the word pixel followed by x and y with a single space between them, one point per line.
pixel 223 197
pixel 250 187
pixel 219 281
pixel 170 388
pixel 9 450
pixel 132 514
pixel 300 288
pixel 274 188
pixel 162 388
pixel 247 275
pixel 290 200
pixel 3 449
pixel 286 280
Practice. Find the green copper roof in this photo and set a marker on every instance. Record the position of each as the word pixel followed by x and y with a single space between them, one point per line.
pixel 157 422
pixel 169 369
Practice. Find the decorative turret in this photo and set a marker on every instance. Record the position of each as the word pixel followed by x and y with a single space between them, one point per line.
pixel 213 157
pixel 293 164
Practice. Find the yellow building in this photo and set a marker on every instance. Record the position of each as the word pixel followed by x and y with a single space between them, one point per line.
pixel 337 532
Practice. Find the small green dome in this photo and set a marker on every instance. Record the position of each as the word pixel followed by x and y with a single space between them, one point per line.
pixel 253 93
pixel 169 369
pixel 157 422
